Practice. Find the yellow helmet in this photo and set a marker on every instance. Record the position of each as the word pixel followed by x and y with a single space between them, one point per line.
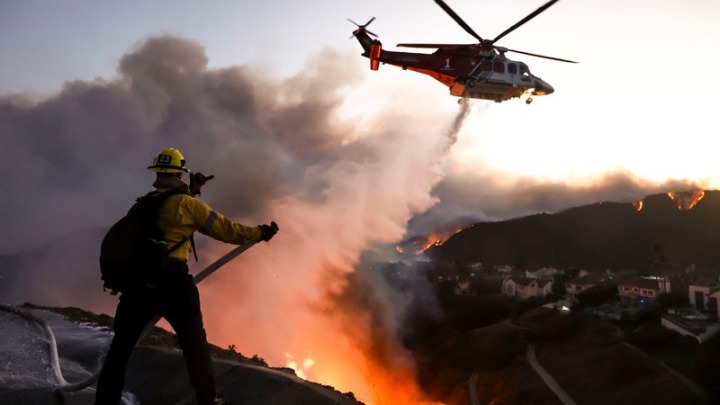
pixel 169 160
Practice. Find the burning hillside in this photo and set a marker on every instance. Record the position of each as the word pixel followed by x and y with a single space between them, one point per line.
pixel 686 200
pixel 542 240
pixel 419 244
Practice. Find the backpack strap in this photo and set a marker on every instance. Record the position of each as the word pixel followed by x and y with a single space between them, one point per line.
pixel 164 195
pixel 177 245
pixel 192 243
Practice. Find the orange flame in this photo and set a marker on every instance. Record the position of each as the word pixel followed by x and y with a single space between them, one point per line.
pixel 638 205
pixel 421 244
pixel 370 365
pixel 687 199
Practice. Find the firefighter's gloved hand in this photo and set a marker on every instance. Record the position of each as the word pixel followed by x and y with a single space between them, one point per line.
pixel 197 180
pixel 268 231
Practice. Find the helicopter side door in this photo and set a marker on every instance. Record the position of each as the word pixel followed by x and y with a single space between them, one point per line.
pixel 513 72
pixel 482 70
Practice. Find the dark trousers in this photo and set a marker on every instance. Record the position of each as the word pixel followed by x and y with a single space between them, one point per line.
pixel 176 299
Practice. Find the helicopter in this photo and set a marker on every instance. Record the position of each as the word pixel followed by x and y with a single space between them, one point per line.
pixel 479 70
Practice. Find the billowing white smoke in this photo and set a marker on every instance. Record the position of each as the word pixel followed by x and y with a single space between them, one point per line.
pixel 279 151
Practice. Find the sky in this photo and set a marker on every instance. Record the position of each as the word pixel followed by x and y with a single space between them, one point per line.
pixel 274 99
pixel 643 67
pixel 638 101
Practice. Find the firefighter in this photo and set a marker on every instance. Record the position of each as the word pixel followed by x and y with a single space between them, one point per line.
pixel 172 294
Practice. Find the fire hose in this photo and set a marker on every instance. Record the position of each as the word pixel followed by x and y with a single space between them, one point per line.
pixel 65 386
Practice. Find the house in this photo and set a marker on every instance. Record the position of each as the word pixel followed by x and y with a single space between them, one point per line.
pixel 690 322
pixel 642 291
pixel 699 321
pixel 545 272
pixel 713 305
pixel 584 281
pixel 462 287
pixel 523 287
pixel 504 269
pixel 705 296
pixel 476 267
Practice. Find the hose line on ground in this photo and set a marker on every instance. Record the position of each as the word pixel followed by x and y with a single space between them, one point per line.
pixel 64 385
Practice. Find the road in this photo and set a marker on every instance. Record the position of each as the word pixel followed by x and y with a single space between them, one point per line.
pixel 472 389
pixel 549 380
pixel 539 369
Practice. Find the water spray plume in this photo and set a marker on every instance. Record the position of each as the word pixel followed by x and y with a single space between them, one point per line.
pixel 327 330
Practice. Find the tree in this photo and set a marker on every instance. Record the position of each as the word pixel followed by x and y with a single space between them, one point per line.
pixel 598 295
pixel 658 264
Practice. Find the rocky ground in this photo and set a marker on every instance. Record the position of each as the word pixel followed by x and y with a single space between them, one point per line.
pixel 156 372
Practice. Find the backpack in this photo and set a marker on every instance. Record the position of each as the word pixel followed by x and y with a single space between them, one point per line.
pixel 133 253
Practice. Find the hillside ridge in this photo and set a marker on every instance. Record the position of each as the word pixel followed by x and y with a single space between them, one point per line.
pixel 604 235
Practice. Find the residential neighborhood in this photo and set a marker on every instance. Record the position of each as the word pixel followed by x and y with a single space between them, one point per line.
pixel 526 287
pixel 698 319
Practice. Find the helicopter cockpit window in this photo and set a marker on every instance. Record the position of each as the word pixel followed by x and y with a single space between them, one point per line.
pixel 524 72
pixel 486 66
pixel 498 67
pixel 512 68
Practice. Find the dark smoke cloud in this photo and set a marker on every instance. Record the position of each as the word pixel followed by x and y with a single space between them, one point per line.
pixel 279 150
pixel 78 158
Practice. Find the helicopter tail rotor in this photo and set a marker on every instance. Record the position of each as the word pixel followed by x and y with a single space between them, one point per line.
pixel 364 26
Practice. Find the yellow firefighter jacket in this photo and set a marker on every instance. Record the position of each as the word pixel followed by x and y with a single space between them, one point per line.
pixel 181 215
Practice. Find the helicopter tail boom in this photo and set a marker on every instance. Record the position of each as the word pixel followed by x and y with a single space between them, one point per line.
pixel 372 47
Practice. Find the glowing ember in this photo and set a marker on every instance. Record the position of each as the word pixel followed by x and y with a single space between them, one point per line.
pixel 638 205
pixel 687 199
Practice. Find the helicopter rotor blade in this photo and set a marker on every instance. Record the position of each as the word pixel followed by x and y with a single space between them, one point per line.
pixel 362 25
pixel 526 19
pixel 458 20
pixel 433 46
pixel 536 55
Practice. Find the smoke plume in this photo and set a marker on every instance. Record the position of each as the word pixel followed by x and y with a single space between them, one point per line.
pixel 279 151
